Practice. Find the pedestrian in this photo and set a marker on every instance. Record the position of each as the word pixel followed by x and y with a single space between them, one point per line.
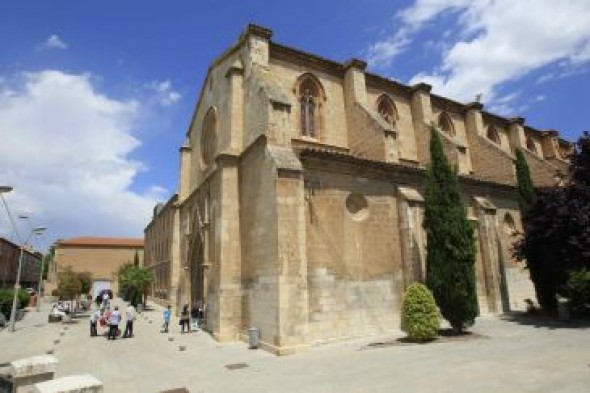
pixel 195 317
pixel 105 299
pixel 129 317
pixel 167 314
pixel 93 322
pixel 184 319
pixel 114 320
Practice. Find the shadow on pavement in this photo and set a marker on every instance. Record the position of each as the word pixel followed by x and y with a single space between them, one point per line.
pixel 541 320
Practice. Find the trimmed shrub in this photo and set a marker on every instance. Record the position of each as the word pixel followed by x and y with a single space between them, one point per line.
pixel 6 300
pixel 420 317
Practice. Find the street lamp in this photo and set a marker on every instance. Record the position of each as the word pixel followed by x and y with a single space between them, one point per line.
pixel 34 231
pixel 40 283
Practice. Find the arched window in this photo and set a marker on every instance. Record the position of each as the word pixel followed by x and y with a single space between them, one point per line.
pixel 530 144
pixel 494 136
pixel 209 137
pixel 509 225
pixel 386 109
pixel 310 95
pixel 446 124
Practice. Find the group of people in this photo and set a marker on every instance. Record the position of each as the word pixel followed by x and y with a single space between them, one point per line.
pixel 190 320
pixel 110 319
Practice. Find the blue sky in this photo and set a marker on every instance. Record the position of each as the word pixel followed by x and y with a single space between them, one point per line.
pixel 95 99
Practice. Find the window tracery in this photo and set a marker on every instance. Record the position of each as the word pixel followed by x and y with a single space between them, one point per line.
pixel 446 124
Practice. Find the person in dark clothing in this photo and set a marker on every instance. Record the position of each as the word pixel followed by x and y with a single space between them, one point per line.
pixel 195 312
pixel 185 319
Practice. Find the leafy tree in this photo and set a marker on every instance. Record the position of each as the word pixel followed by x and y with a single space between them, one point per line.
pixel 47 260
pixel 134 283
pixel 526 191
pixel 85 279
pixel 68 284
pixel 450 260
pixel 556 240
pixel 6 297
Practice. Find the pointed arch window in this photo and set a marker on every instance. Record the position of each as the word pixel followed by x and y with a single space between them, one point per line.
pixel 494 136
pixel 386 109
pixel 310 95
pixel 530 144
pixel 209 137
pixel 446 124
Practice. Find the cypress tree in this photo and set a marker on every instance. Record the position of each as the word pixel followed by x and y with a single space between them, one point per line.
pixel 450 260
pixel 526 191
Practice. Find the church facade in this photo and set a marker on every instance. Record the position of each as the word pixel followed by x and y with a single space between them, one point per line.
pixel 299 209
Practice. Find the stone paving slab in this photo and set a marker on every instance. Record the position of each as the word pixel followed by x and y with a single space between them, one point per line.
pixel 506 355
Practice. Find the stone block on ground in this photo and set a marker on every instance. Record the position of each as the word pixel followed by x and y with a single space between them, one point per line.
pixel 84 383
pixel 28 371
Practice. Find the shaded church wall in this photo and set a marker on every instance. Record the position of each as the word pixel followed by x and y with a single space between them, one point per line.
pixel 354 269
pixel 259 238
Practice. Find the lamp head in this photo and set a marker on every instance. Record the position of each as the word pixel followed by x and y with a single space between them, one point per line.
pixel 5 189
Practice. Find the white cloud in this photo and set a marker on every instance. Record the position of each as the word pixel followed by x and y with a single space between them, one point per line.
pixel 65 149
pixel 165 94
pixel 54 42
pixel 500 41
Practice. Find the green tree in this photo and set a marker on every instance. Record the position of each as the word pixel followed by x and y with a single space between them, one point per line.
pixel 134 283
pixel 68 284
pixel 85 279
pixel 556 239
pixel 526 190
pixel 450 260
pixel 47 260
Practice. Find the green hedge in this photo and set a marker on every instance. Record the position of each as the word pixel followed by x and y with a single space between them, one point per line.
pixel 6 296
pixel 420 316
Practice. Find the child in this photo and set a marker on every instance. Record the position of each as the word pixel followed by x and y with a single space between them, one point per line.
pixel 167 315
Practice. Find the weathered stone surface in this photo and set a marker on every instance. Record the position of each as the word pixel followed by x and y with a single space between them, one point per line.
pixel 85 383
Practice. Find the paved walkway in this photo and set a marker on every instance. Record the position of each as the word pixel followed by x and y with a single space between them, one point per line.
pixel 504 355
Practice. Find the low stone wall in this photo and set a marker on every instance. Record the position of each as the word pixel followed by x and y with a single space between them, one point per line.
pixel 26 372
pixel 520 287
pixel 85 383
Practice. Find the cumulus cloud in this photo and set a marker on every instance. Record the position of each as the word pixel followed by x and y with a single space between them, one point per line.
pixel 54 42
pixel 500 41
pixel 165 94
pixel 65 148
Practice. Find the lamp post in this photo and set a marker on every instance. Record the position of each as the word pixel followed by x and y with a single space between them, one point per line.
pixel 34 231
pixel 40 283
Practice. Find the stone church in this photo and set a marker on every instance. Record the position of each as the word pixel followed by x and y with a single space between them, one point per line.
pixel 299 209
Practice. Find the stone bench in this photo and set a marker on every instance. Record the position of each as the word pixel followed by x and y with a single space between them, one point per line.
pixel 84 383
pixel 26 372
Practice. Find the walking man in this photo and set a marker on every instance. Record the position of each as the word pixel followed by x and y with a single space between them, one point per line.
pixel 167 315
pixel 129 317
pixel 93 321
pixel 114 320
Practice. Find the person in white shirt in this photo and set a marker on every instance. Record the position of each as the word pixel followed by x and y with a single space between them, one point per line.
pixel 129 317
pixel 93 321
pixel 114 320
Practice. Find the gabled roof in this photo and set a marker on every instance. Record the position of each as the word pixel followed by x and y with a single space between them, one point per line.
pixel 102 241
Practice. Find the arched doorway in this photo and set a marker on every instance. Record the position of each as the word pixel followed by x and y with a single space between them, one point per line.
pixel 197 271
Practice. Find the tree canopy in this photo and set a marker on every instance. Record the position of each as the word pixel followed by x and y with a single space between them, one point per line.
pixel 556 239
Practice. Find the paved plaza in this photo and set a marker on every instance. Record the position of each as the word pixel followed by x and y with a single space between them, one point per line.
pixel 505 354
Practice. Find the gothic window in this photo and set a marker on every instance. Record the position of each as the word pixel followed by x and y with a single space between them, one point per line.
pixel 386 109
pixel 530 144
pixel 509 225
pixel 209 137
pixel 494 136
pixel 310 96
pixel 446 124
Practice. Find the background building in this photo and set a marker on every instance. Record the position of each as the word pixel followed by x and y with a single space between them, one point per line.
pixel 9 255
pixel 158 253
pixel 300 206
pixel 101 256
